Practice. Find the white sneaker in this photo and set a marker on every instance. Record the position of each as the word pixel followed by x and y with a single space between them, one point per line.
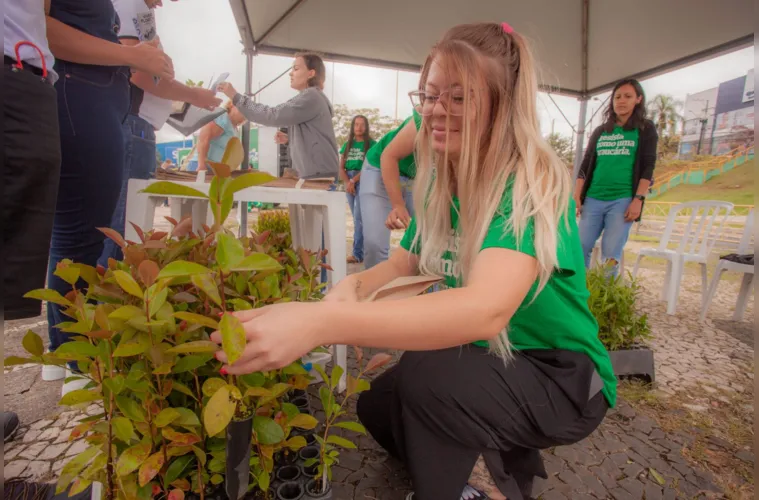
pixel 73 385
pixel 51 373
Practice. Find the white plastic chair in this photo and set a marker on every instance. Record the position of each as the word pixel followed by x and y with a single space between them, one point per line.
pixel 744 247
pixel 705 221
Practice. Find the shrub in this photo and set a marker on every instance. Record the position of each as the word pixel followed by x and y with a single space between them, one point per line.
pixel 612 301
pixel 278 223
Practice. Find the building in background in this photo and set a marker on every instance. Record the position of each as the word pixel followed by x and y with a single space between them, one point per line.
pixel 720 119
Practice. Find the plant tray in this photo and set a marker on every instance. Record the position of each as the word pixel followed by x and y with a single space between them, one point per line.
pixel 637 362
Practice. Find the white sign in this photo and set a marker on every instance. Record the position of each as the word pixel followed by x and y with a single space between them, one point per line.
pixel 748 88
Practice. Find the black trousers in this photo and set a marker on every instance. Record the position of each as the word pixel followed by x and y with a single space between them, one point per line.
pixel 31 172
pixel 438 411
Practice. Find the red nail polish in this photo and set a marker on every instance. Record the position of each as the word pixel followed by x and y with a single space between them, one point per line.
pixel 223 371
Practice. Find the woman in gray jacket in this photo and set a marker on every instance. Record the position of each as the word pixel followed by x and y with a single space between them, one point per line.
pixel 313 147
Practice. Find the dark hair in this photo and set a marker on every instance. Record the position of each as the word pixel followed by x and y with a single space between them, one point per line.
pixel 314 62
pixel 352 136
pixel 638 117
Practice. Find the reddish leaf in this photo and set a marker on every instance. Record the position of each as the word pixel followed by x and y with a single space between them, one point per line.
pixel 139 231
pixel 99 334
pixel 174 450
pixel 182 484
pixel 114 235
pixel 81 429
pixel 378 360
pixel 147 271
pixel 158 235
pixel 100 269
pixel 180 438
pixel 183 228
pixel 150 468
pixel 132 256
pixel 172 220
pixel 156 490
pixel 132 458
pixel 154 244
pixel 359 354
pixel 176 495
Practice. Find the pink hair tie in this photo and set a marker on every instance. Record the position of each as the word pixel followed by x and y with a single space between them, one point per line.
pixel 507 28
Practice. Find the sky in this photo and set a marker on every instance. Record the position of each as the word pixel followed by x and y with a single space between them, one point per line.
pixel 202 39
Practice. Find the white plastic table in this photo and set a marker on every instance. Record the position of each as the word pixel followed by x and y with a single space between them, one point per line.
pixel 311 212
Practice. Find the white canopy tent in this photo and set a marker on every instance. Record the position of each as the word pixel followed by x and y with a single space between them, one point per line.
pixel 583 46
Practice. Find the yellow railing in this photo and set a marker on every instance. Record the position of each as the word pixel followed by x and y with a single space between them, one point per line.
pixel 707 164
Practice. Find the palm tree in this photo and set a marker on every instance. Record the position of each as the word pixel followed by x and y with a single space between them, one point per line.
pixel 664 110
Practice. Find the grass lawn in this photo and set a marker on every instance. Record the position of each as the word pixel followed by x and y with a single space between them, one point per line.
pixel 736 186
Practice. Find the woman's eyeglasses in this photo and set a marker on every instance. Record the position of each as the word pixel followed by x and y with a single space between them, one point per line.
pixel 451 100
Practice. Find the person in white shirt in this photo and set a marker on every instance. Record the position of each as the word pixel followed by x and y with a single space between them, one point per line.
pixel 149 109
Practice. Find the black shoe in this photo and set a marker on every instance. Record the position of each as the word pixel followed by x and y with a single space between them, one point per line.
pixel 10 425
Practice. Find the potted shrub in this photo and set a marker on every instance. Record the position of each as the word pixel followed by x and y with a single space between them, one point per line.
pixel 622 329
pixel 170 424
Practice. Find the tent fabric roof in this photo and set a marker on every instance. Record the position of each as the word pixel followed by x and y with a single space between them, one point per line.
pixel 641 38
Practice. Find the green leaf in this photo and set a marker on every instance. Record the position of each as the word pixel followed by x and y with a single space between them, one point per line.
pixel 240 305
pixel 187 418
pixel 232 337
pixel 192 362
pixel 356 385
pixel 123 429
pixel 659 479
pixel 337 372
pixel 130 408
pixel 263 480
pixel 207 284
pixel 339 441
pixel 256 379
pixel 48 296
pixel 33 344
pixel 133 347
pixel 125 313
pixel 76 348
pixel 182 269
pixel 180 387
pixel 320 370
pixel 197 319
pixel 325 395
pixel 67 273
pixel 127 283
pixel 150 468
pixel 16 360
pixel 200 454
pixel 157 300
pixel 245 181
pixel 80 396
pixel 165 417
pixel 172 189
pixel 115 384
pixel 303 421
pixel 131 458
pixel 176 468
pixel 74 467
pixel 351 426
pixel 217 479
pixel 290 410
pixel 194 347
pixel 229 251
pixel 218 412
pixel 267 430
pixel 212 385
pixel 295 368
pixel 257 262
pixel 296 442
pixel 257 392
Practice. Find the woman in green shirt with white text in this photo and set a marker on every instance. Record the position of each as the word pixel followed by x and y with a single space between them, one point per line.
pixel 352 156
pixel 506 360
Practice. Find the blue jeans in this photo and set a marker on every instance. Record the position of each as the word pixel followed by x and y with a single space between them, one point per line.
pixel 358 227
pixel 607 217
pixel 139 163
pixel 93 102
pixel 375 207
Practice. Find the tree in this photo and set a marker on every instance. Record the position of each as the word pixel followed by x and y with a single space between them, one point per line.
pixel 664 110
pixel 563 147
pixel 378 124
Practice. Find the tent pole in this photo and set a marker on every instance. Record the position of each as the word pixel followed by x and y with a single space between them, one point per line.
pixel 249 54
pixel 580 136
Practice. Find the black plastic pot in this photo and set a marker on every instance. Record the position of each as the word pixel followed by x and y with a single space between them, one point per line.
pixel 297 393
pixel 307 435
pixel 637 362
pixel 314 490
pixel 259 495
pixel 308 452
pixel 290 490
pixel 309 472
pixel 237 478
pixel 288 473
pixel 302 404
pixel 285 457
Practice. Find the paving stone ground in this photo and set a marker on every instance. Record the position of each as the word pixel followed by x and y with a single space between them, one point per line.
pixel 628 458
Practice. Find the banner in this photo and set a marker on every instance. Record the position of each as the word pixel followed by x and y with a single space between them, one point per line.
pixel 748 88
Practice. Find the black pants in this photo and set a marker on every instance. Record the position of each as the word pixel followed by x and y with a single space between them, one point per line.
pixel 438 411
pixel 31 170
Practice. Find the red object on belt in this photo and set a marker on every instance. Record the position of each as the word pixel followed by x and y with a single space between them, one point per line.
pixel 20 65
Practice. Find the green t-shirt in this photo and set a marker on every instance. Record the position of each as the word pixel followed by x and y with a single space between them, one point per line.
pixel 406 166
pixel 355 159
pixel 615 158
pixel 559 317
